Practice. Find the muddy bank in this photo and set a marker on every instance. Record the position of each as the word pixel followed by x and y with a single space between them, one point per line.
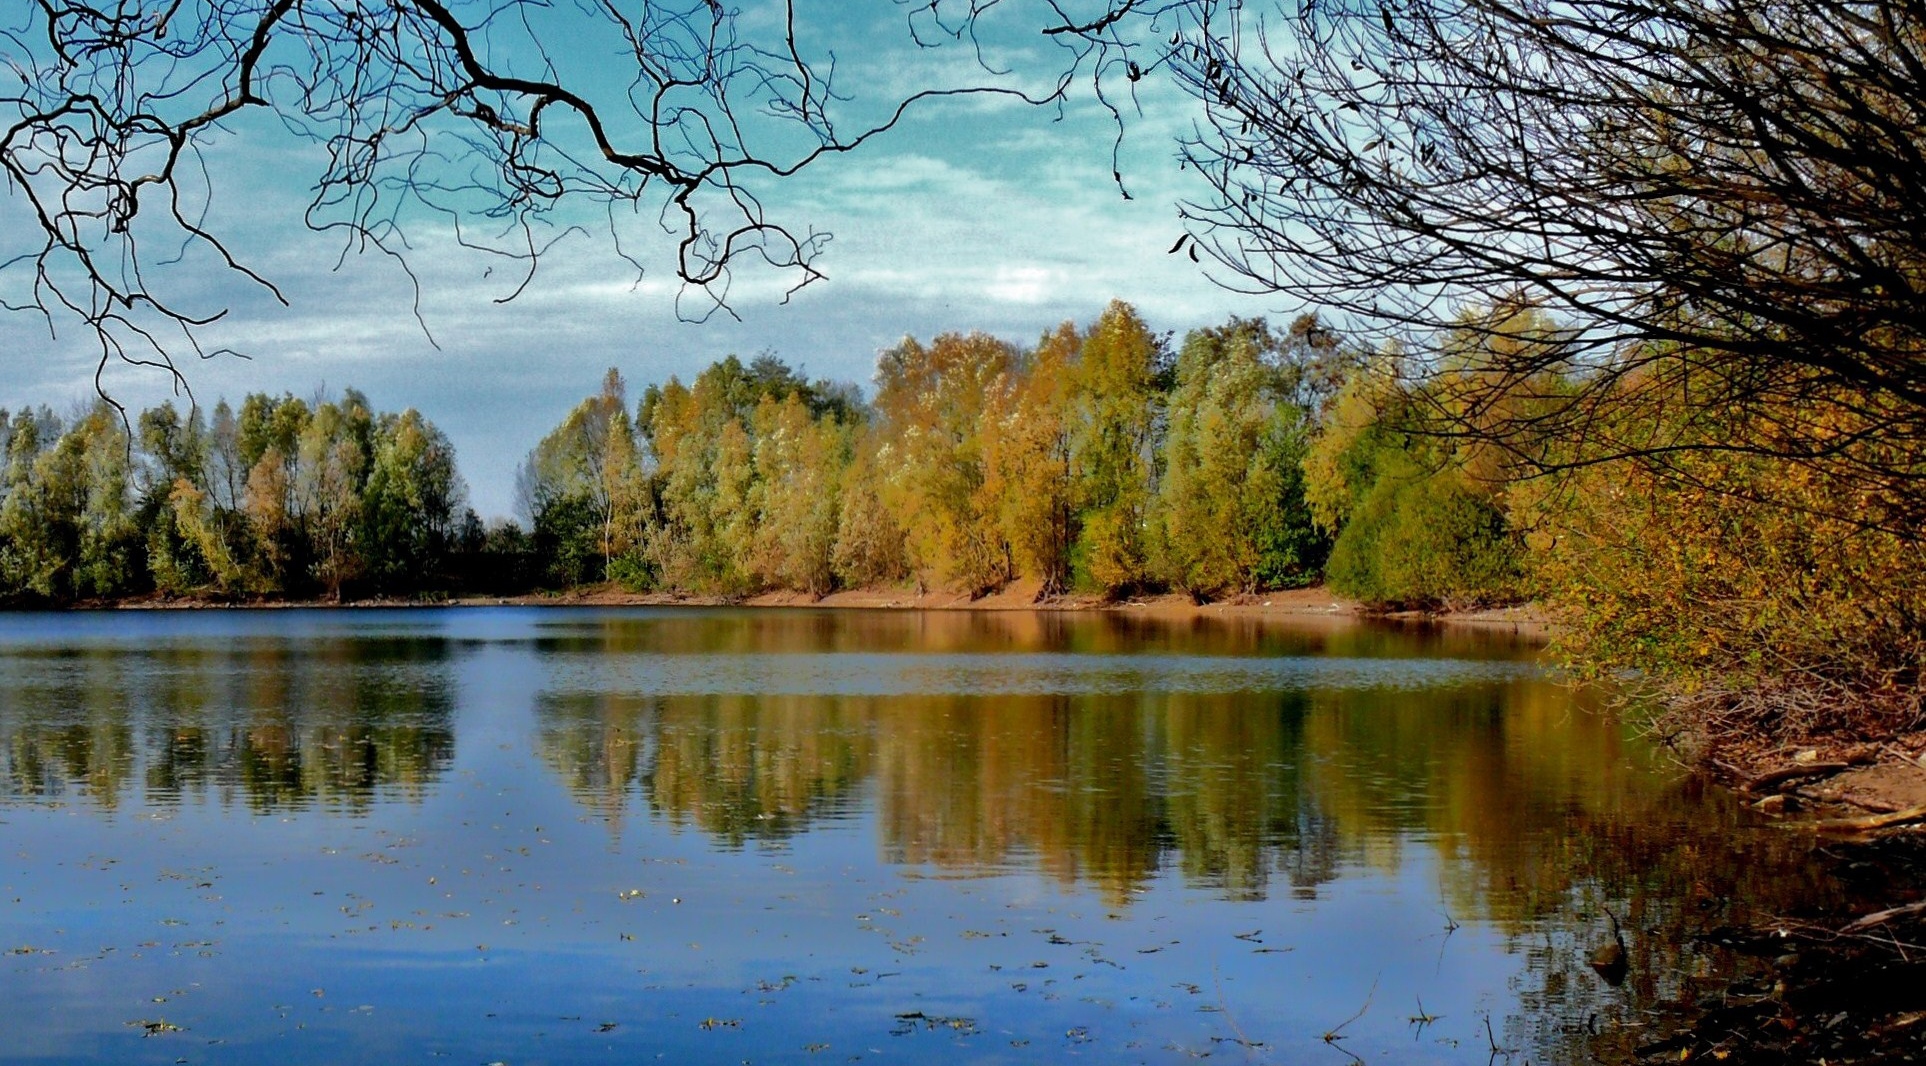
pixel 1881 783
pixel 1821 987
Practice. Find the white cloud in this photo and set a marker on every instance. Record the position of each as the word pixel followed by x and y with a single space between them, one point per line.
pixel 1023 284
pixel 1005 221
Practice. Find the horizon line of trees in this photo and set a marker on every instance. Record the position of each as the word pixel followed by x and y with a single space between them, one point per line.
pixel 282 497
pixel 1105 459
pixel 1097 460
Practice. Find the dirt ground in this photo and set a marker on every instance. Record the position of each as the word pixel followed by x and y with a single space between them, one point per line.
pixel 1025 596
pixel 1883 787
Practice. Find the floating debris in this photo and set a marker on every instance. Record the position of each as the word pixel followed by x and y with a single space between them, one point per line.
pixel 908 1022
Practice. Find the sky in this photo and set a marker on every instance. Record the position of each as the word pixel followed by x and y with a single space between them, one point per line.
pixel 970 215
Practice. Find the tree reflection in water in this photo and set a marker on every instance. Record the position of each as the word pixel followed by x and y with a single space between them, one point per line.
pixel 336 724
pixel 1537 814
pixel 1539 811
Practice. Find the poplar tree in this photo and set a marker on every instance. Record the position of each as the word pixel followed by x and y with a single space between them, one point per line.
pixel 1114 414
pixel 931 402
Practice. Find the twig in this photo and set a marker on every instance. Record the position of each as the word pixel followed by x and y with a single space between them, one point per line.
pixel 1882 917
pixel 1492 1040
pixel 1337 1033
pixel 1423 1017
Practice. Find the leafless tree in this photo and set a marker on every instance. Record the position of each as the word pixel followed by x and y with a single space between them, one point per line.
pixel 499 118
pixel 1722 202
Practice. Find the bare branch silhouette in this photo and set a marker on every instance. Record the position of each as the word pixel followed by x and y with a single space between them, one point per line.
pixel 1721 203
pixel 497 119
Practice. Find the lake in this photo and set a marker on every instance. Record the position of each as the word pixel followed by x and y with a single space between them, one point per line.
pixel 558 835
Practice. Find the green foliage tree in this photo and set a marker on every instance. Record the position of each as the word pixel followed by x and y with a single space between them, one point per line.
pixel 799 462
pixel 176 454
pixel 282 499
pixel 746 487
pixel 29 554
pixel 703 468
pixel 1230 514
pixel 1114 413
pixel 584 467
pixel 330 472
pixel 410 503
pixel 1413 527
pixel 68 520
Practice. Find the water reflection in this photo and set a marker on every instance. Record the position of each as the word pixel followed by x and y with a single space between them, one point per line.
pixel 1538 812
pixel 722 631
pixel 1234 790
pixel 1195 773
pixel 262 723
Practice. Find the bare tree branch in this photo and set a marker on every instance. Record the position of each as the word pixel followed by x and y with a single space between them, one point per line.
pixel 496 118
pixel 1722 202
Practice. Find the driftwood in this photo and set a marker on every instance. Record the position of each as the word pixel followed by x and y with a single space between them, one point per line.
pixel 1887 915
pixel 1871 821
pixel 1793 773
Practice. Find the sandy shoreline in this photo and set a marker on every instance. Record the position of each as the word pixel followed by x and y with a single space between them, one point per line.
pixel 1317 602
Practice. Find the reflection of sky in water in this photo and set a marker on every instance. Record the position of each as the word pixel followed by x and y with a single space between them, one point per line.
pixel 482 839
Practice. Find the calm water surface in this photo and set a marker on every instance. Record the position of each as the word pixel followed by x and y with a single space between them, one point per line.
pixel 560 836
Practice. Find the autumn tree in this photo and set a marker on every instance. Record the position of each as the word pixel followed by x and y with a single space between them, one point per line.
pixel 870 547
pixel 1114 413
pixel 268 436
pixel 1029 463
pixel 931 402
pixel 1719 202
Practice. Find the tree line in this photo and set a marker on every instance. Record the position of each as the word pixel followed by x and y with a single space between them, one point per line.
pixel 1757 591
pixel 282 498
pixel 1755 588
pixel 1097 460
pixel 1104 460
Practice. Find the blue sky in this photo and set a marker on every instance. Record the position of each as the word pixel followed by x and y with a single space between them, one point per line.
pixel 971 215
